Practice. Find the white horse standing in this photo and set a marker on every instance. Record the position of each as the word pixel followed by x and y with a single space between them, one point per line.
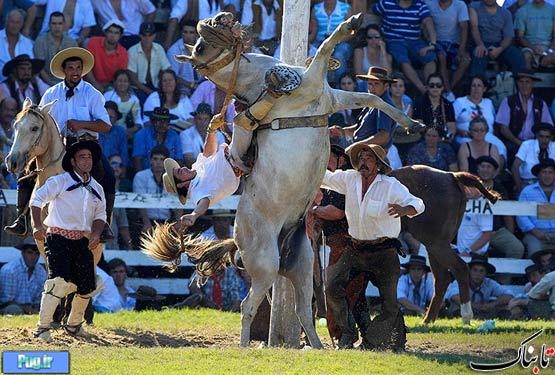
pixel 37 138
pixel 289 168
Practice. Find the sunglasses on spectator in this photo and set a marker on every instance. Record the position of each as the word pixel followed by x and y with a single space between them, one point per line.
pixel 435 85
pixel 369 37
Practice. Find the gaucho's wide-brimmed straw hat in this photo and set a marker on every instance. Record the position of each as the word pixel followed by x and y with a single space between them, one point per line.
pixel 168 179
pixel 354 150
pixel 60 57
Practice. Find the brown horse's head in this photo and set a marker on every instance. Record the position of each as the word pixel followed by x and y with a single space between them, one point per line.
pixel 29 140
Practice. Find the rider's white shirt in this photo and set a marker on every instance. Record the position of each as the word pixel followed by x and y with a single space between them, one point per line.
pixel 215 178
pixel 367 217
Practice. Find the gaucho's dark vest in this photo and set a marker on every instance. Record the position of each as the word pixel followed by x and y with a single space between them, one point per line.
pixel 518 116
pixel 14 93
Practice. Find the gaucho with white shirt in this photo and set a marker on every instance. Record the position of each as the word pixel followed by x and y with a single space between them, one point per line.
pixel 76 216
pixel 374 205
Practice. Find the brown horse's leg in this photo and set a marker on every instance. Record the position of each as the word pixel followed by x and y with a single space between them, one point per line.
pixel 441 282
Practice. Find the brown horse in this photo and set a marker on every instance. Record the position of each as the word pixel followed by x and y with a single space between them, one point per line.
pixel 445 198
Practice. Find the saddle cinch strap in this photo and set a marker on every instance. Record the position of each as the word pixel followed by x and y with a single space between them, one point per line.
pixel 296 122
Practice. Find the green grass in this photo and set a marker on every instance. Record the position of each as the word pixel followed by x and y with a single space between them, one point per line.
pixel 205 342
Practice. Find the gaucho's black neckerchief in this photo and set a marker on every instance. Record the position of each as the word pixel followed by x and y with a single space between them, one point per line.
pixel 82 184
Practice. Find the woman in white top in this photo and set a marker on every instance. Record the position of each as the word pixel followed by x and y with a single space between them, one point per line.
pixel 475 105
pixel 373 53
pixel 128 103
pixel 169 96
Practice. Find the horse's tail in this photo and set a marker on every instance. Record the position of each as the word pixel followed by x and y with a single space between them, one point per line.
pixel 209 256
pixel 469 180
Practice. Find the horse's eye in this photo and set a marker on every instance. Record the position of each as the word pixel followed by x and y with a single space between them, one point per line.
pixel 34 128
pixel 199 49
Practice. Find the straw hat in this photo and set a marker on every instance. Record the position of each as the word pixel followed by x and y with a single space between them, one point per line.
pixel 354 150
pixel 60 57
pixel 376 73
pixel 168 179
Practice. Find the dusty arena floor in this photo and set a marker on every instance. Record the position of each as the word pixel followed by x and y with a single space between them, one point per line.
pixel 207 341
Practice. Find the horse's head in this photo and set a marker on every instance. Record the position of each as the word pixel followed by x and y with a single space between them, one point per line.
pixel 219 36
pixel 28 140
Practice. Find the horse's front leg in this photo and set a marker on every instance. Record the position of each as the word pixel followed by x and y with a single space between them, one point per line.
pixel 352 100
pixel 319 66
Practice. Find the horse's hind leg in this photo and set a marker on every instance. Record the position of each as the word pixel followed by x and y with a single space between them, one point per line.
pixel 319 66
pixel 441 282
pixel 351 100
pixel 301 277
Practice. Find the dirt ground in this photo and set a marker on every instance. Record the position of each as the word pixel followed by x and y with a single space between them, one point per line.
pixel 97 337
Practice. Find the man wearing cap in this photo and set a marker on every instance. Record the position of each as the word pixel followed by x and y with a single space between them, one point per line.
pixel 503 242
pixel 157 134
pixel 76 217
pixel 416 287
pixel 21 281
pixel 22 81
pixel 78 109
pixel 49 43
pixel 373 125
pixel 192 138
pixel 539 235
pixel 519 112
pixel 519 304
pixel 541 294
pixel 374 205
pixel 531 152
pixel 109 55
pixel 489 298
pixel 146 60
pixel 115 141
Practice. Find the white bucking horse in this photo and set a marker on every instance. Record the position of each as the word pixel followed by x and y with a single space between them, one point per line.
pixel 291 160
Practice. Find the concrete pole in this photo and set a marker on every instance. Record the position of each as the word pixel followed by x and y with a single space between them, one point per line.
pixel 285 329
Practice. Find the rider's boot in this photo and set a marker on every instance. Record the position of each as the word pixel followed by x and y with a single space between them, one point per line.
pixel 107 234
pixel 20 227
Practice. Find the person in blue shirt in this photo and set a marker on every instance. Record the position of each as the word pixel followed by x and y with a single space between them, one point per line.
pixel 415 289
pixel 159 133
pixel 539 235
pixel 115 141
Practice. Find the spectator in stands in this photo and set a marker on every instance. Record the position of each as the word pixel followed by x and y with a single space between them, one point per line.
pixel 415 288
pixel 433 152
pixel 79 17
pixel 478 146
pixel 50 43
pixel 403 36
pixel 22 81
pixel 187 76
pixel 30 13
pixel 544 290
pixel 21 281
pixel 474 234
pixel 187 10
pixel 267 15
pixel 373 126
pixel 120 222
pixel 539 235
pixel 434 110
pixel 519 304
pixel 115 141
pixel 118 271
pixel 348 82
pixel 12 42
pixel 169 96
pixel 397 91
pixel 8 111
pixel 535 30
pixel 221 228
pixel 515 123
pixel 122 183
pixel 503 242
pixel 159 133
pixel 475 105
pixel 207 92
pixel 109 55
pixel 489 298
pixel 531 152
pixel 374 53
pixel 324 18
pixel 132 16
pixel 451 24
pixel 128 103
pixel 492 31
pixel 545 258
pixel 150 181
pixel 146 60
pixel 108 300
pixel 192 138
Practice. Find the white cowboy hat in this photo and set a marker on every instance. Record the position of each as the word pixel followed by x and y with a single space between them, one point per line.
pixel 168 179
pixel 58 59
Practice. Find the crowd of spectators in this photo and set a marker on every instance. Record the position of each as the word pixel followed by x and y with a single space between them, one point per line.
pixel 448 57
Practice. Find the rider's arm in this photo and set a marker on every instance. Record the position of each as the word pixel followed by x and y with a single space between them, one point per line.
pixel 210 144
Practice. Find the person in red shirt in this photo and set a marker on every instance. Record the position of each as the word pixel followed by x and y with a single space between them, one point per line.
pixel 109 55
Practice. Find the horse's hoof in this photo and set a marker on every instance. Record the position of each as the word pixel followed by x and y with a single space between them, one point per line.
pixel 355 21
